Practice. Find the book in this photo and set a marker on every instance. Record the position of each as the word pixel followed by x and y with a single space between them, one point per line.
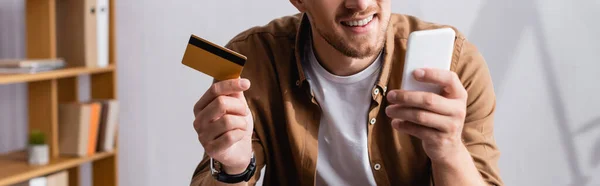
pixel 74 128
pixel 24 70
pixel 31 63
pixel 28 66
pixel 58 179
pixel 39 181
pixel 108 125
pixel 95 109
pixel 79 128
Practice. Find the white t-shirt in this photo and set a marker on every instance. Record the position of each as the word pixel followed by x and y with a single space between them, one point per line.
pixel 343 157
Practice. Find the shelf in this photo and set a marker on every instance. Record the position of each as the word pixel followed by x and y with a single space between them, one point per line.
pixel 55 74
pixel 15 169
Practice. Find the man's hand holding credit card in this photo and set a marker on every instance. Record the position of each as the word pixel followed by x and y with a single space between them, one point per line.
pixel 223 120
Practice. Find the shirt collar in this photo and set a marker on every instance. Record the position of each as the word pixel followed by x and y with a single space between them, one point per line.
pixel 389 54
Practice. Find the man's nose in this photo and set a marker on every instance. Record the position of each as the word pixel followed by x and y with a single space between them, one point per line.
pixel 358 5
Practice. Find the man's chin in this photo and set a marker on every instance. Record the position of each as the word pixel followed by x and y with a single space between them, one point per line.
pixel 359 47
pixel 360 53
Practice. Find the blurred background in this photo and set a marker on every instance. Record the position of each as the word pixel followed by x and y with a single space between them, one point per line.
pixel 544 57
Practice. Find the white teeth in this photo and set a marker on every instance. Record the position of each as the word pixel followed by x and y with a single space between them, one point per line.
pixel 359 22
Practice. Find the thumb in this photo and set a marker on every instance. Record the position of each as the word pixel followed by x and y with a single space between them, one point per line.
pixel 244 85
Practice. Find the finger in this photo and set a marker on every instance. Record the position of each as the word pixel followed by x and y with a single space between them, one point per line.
pixel 419 116
pixel 447 79
pixel 214 130
pixel 220 106
pixel 239 95
pixel 416 130
pixel 423 100
pixel 223 142
pixel 225 87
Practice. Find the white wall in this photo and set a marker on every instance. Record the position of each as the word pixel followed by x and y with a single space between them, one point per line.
pixel 542 54
pixel 12 97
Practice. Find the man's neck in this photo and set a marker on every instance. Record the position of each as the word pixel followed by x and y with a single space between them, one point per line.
pixel 334 61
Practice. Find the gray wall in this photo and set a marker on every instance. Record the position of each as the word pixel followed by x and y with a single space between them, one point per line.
pixel 543 56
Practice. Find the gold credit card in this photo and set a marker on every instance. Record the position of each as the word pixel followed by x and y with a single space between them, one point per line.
pixel 216 61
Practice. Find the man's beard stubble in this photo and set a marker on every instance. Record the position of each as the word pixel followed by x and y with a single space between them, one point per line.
pixel 340 44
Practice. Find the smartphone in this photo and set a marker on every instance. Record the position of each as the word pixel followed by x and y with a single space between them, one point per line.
pixel 427 49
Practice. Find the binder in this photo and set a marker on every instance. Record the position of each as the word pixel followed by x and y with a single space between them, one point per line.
pixel 102 27
pixel 77 32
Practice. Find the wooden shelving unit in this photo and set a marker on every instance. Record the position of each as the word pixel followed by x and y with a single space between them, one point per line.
pixel 47 90
pixel 55 74
pixel 14 170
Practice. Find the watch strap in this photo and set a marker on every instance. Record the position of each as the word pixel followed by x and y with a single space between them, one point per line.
pixel 237 178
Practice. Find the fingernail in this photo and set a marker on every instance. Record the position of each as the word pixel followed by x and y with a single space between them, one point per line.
pixel 245 83
pixel 419 73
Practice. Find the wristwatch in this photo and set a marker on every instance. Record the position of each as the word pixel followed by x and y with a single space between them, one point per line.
pixel 220 175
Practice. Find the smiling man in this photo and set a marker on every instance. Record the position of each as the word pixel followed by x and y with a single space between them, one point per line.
pixel 318 103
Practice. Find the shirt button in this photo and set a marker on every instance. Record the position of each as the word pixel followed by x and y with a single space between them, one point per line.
pixel 377 166
pixel 373 120
pixel 376 91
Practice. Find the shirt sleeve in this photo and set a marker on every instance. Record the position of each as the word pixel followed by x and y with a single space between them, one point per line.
pixel 478 132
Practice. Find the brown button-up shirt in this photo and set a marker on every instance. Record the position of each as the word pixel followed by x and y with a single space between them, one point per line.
pixel 286 114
